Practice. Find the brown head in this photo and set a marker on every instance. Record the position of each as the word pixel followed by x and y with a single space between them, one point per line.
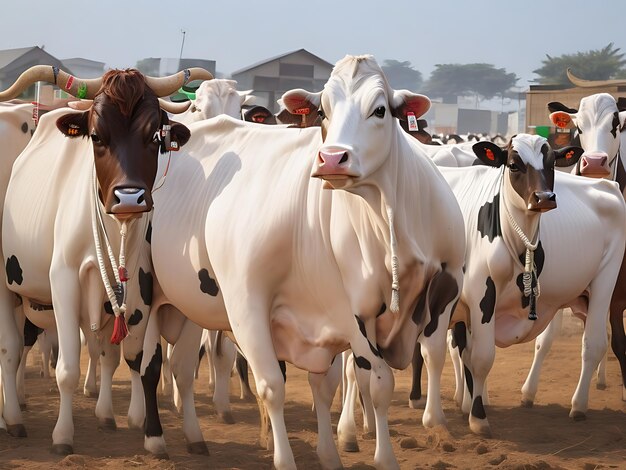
pixel 127 128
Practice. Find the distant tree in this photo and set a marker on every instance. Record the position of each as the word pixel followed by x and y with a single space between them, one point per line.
pixel 483 81
pixel 401 75
pixel 600 64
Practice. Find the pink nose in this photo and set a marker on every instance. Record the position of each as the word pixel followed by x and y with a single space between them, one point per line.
pixel 332 159
pixel 594 163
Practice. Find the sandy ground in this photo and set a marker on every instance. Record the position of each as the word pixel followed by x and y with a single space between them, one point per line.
pixel 539 438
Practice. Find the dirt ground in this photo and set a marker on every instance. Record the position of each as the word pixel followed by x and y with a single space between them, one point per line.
pixel 539 438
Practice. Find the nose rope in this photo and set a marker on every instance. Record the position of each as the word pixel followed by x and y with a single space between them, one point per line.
pixel 117 295
pixel 530 279
pixel 162 180
pixel 395 277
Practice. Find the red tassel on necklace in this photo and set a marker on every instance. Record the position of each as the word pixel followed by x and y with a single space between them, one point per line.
pixel 120 330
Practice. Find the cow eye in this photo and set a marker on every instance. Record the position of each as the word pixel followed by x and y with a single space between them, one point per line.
pixel 578 130
pixel 95 139
pixel 321 113
pixel 379 112
pixel 513 167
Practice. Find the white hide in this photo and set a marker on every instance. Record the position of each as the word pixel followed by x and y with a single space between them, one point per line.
pixel 215 97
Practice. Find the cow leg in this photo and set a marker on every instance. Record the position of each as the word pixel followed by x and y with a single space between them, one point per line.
pixel 90 388
pixel 183 368
pixel 255 341
pixel 11 347
pixel 46 348
pixel 223 355
pixel 374 376
pixel 543 344
pixel 150 372
pixel 109 361
pixel 166 372
pixel 324 387
pixel 66 294
pixel 21 376
pixel 346 429
pixel 244 382
pixel 618 339
pixel 455 355
pixel 416 400
pixel 136 408
pixel 594 342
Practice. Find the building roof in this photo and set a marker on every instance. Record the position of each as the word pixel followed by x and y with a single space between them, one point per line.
pixel 81 60
pixel 272 59
pixel 9 55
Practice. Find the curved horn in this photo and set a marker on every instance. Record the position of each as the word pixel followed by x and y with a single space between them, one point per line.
pixel 75 86
pixel 164 86
pixel 174 108
pixel 592 83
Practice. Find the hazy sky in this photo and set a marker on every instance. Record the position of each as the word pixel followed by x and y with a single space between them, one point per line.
pixel 506 33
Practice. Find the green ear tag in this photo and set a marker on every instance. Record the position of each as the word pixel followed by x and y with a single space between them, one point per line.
pixel 82 91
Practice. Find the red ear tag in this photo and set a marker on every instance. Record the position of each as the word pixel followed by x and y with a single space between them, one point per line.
pixel 302 111
pixel 489 154
pixel 569 154
pixel 412 121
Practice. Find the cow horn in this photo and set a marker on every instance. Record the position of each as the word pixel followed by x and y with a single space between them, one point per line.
pixel 75 86
pixel 579 82
pixel 174 108
pixel 164 86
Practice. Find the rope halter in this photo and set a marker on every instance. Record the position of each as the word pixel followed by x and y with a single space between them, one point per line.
pixel 395 277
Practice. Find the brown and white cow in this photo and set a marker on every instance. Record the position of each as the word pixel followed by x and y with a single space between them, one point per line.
pixel 71 203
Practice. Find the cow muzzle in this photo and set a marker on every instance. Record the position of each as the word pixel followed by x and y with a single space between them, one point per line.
pixel 595 165
pixel 542 201
pixel 129 202
pixel 334 165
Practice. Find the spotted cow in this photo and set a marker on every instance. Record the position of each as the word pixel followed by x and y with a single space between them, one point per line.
pixel 518 271
pixel 599 123
pixel 343 259
pixel 73 199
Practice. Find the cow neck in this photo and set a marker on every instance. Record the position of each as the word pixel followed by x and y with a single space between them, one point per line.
pixel 514 235
pixel 620 172
pixel 116 294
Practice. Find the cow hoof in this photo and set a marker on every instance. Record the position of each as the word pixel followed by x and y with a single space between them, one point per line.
pixel 198 448
pixel 226 417
pixel 107 424
pixel 62 449
pixel 16 430
pixel 348 446
pixel 23 406
pixel 600 386
pixel 90 394
pixel 419 404
pixel 135 424
pixel 578 415
pixel 481 428
pixel 526 403
pixel 161 456
pixel 156 446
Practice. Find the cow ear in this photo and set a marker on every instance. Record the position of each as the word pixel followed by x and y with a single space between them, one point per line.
pixel 622 121
pixel 405 102
pixel 179 133
pixel 74 124
pixel 246 97
pixel 562 120
pixel 301 101
pixel 489 153
pixel 567 156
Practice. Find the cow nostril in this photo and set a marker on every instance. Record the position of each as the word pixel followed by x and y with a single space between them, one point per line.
pixel 344 158
pixel 552 197
pixel 140 199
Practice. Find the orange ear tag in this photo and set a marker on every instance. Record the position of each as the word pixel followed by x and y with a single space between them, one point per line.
pixel 569 154
pixel 410 116
pixel 561 123
pixel 489 154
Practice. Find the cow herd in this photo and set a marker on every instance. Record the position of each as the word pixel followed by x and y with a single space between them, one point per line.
pixel 343 234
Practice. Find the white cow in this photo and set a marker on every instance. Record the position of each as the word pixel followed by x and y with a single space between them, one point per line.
pixel 214 97
pixel 518 271
pixel 64 215
pixel 243 238
pixel 599 123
